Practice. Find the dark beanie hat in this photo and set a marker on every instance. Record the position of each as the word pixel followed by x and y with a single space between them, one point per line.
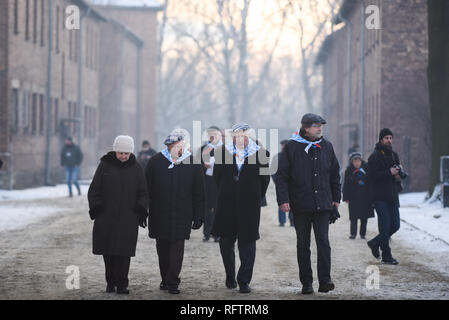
pixel 385 132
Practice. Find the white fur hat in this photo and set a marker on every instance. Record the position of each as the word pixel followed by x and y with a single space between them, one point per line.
pixel 123 144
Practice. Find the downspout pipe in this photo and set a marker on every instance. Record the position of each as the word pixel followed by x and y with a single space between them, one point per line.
pixel 49 101
pixel 362 77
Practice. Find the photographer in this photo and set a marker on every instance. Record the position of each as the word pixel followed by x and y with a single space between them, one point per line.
pixel 385 174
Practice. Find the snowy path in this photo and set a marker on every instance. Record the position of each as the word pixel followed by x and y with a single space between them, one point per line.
pixel 33 262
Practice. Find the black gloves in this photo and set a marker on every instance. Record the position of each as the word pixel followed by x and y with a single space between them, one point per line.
pixel 142 213
pixel 197 223
pixel 334 215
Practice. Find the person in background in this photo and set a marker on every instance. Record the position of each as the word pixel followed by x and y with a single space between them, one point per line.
pixel 145 154
pixel 118 204
pixel 208 161
pixel 71 159
pixel 385 174
pixel 356 193
pixel 281 214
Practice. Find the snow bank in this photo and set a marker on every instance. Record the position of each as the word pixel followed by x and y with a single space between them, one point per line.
pixel 58 191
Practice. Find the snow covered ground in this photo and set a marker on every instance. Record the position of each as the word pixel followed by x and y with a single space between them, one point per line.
pixel 19 208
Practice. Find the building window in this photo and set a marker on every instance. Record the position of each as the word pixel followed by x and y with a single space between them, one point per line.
pixel 27 20
pixel 63 77
pixel 57 29
pixel 42 23
pixel 56 117
pixel 35 21
pixel 16 16
pixel 34 113
pixel 41 115
pixel 15 112
pixel 25 111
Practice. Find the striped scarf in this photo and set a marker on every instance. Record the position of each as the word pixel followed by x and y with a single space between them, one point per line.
pixel 167 155
pixel 250 149
pixel 297 137
pixel 214 146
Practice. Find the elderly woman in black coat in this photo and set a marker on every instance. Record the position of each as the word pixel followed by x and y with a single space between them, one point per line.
pixel 357 194
pixel 241 185
pixel 177 196
pixel 118 203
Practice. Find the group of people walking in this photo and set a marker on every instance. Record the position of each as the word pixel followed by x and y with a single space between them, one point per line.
pixel 174 191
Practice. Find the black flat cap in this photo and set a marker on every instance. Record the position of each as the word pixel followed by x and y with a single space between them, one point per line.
pixel 310 118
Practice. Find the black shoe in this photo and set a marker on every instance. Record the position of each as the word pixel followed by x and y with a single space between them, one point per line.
pixel 307 289
pixel 374 251
pixel 110 288
pixel 122 291
pixel 205 239
pixel 352 237
pixel 281 225
pixel 174 290
pixel 391 261
pixel 362 237
pixel 217 239
pixel 244 288
pixel 326 286
pixel 231 284
pixel 163 286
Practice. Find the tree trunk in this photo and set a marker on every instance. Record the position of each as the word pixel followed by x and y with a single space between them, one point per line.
pixel 438 73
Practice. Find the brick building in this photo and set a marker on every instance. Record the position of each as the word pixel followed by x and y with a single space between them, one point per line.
pixel 24 58
pixel 394 83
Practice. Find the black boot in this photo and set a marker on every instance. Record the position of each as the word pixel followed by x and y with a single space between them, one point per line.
pixel 374 250
pixel 110 288
pixel 245 288
pixel 307 289
pixel 122 291
pixel 231 284
pixel 326 286
pixel 174 290
pixel 163 286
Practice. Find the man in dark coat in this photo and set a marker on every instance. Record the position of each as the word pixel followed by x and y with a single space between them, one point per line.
pixel 177 205
pixel 241 187
pixel 207 153
pixel 384 172
pixel 145 154
pixel 308 184
pixel 356 193
pixel 71 158
pixel 118 202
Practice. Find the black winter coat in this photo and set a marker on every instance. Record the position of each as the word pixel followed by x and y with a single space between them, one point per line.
pixel 356 190
pixel 118 199
pixel 308 181
pixel 239 202
pixel 71 156
pixel 177 197
pixel 384 186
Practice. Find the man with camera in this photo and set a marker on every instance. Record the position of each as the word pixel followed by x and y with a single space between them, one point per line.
pixel 385 174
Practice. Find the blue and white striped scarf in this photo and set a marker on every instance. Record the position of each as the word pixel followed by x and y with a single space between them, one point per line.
pixel 250 149
pixel 167 154
pixel 297 137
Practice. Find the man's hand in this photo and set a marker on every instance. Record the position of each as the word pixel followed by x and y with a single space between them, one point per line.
pixel 143 222
pixel 207 165
pixel 394 171
pixel 285 207
pixel 207 150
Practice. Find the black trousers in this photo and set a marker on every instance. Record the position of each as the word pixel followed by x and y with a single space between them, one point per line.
pixel 363 223
pixel 117 270
pixel 247 254
pixel 208 222
pixel 304 221
pixel 171 255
